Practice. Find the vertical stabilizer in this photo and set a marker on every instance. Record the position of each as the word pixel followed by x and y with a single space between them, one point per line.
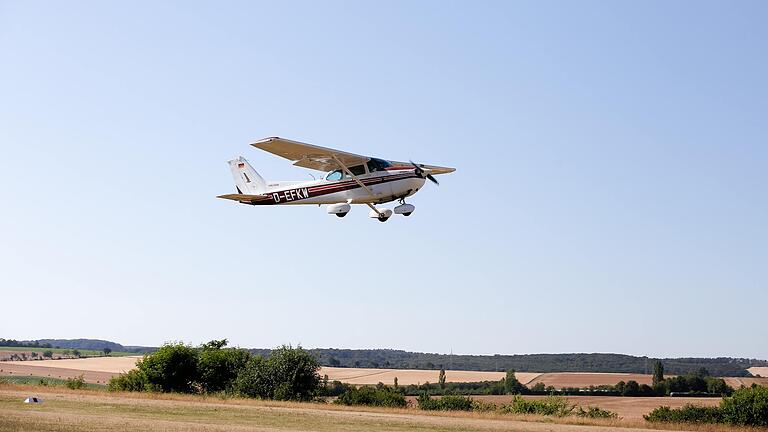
pixel 247 180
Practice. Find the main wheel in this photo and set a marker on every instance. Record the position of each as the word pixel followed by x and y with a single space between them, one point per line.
pixel 341 214
pixel 407 213
pixel 382 219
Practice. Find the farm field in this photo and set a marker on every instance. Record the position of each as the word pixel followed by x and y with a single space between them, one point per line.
pixel 67 410
pixel 98 370
pixel 101 369
pixel 414 376
pixel 586 379
pixel 761 370
pixel 95 370
pixel 6 352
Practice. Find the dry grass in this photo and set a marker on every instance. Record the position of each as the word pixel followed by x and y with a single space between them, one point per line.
pixel 414 376
pixel 586 379
pixel 762 371
pixel 79 410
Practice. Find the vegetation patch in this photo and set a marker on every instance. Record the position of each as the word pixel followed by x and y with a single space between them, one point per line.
pixel 382 396
pixel 746 407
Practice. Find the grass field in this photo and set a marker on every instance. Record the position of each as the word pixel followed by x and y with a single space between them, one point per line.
pixel 84 352
pixel 83 410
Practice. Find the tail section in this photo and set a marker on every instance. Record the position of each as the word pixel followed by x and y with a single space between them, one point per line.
pixel 246 178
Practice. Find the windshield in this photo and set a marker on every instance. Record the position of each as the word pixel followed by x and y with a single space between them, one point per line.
pixel 334 175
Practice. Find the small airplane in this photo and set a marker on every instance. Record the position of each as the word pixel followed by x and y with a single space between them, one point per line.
pixel 350 179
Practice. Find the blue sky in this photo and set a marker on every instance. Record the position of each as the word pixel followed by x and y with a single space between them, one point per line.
pixel 610 192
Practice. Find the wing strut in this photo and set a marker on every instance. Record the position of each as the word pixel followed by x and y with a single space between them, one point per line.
pixel 358 181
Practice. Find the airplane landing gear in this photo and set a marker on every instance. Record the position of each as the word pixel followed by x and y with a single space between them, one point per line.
pixel 404 209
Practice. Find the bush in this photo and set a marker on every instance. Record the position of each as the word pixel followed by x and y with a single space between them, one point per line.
pixel 133 380
pixel 550 406
pixel 217 367
pixel 445 403
pixel 595 412
pixel 482 406
pixel 371 396
pixel 288 374
pixel 747 406
pixel 686 414
pixel 172 368
pixel 75 383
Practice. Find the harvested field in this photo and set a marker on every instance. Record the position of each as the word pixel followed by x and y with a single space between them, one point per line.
pixel 101 369
pixel 737 382
pixel 414 376
pixel 586 379
pixel 65 410
pixel 762 371
pixel 97 370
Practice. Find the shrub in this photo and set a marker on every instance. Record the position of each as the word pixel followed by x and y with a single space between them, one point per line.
pixel 133 380
pixel 75 383
pixel 747 406
pixel 288 374
pixel 370 396
pixel 445 403
pixel 549 406
pixel 595 412
pixel 217 367
pixel 172 368
pixel 686 414
pixel 482 406
pixel 253 380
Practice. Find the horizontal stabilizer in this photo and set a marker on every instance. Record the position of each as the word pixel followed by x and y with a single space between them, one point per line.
pixel 240 197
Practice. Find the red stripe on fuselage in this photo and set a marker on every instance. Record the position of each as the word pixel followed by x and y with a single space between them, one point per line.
pixel 326 189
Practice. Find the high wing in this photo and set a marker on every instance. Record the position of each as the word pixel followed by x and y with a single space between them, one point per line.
pixel 432 169
pixel 308 155
pixel 323 158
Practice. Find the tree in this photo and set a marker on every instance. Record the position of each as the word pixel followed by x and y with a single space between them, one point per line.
pixel 658 372
pixel 217 367
pixel 441 378
pixel 288 374
pixel 107 350
pixel 512 385
pixel 48 354
pixel 395 382
pixel 76 353
pixel 172 368
pixel 632 388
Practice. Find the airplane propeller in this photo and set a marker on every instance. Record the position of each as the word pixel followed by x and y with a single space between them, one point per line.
pixel 421 173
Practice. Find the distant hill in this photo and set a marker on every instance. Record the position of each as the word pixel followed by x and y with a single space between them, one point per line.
pixel 93 344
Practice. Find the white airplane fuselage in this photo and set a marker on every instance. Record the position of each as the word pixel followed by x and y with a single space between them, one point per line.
pixel 384 186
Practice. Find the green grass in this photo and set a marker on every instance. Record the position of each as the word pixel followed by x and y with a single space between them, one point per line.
pixel 44 381
pixel 83 352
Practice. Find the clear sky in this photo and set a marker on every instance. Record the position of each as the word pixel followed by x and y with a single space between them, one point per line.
pixel 610 192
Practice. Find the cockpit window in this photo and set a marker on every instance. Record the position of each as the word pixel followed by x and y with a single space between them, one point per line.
pixel 378 165
pixel 357 170
pixel 334 175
